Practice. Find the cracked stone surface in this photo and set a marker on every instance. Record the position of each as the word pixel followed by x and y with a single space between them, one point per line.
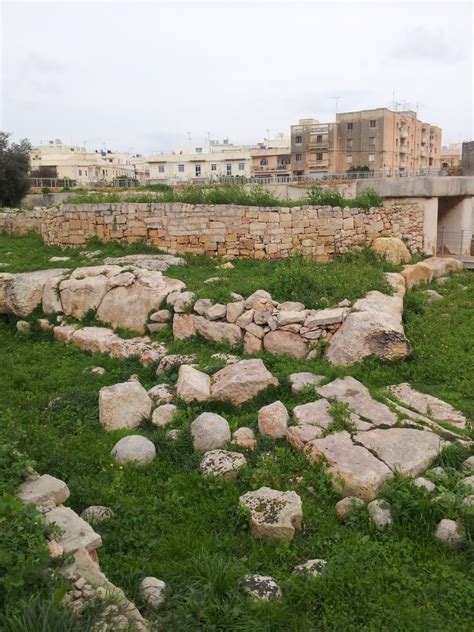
pixel 222 463
pixel 261 587
pixel 355 471
pixel 404 450
pixel 428 405
pixel 273 514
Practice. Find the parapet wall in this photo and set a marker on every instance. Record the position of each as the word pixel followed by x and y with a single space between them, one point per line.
pixel 234 231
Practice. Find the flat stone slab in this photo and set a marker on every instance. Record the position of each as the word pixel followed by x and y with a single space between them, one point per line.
pixel 273 514
pixel 305 378
pixel 159 263
pixel 222 463
pixel 355 470
pixel 242 381
pixel 357 396
pixel 44 489
pixel 404 450
pixel 299 436
pixel 76 532
pixel 313 413
pixel 428 405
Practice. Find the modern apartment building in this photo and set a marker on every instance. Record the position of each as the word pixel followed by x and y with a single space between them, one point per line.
pixel 312 148
pixel 384 140
pixel 272 158
pixel 451 156
pixel 76 163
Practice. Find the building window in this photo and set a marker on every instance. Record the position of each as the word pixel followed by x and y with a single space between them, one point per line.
pixel 181 168
pixel 197 170
pixel 348 158
pixel 229 170
pixel 85 171
pixel 161 168
pixel 350 127
pixel 213 167
pixel 199 150
pixel 372 141
pixel 298 156
pixel 298 140
pixel 241 166
pixel 319 138
pixel 263 162
pixel 349 143
pixel 80 172
pixel 319 156
pixel 373 123
pixel 371 157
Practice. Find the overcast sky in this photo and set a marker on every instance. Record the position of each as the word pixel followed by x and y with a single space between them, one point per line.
pixel 143 76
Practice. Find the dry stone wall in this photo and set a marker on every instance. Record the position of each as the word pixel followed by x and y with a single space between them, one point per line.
pixel 224 230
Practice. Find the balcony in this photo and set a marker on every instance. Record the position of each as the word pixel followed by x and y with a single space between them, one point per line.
pixel 403 133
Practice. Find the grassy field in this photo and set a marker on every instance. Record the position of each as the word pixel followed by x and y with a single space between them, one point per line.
pixel 172 523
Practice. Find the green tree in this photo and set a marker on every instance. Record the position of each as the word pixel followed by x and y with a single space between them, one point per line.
pixel 14 168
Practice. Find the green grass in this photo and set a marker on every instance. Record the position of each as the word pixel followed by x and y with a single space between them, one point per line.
pixel 172 523
pixel 230 194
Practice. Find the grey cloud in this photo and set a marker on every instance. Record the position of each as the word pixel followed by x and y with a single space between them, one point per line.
pixel 425 44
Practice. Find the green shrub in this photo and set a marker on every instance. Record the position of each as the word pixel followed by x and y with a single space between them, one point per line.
pixel 317 196
pixel 367 199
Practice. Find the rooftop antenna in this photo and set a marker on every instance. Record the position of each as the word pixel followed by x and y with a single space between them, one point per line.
pixel 336 99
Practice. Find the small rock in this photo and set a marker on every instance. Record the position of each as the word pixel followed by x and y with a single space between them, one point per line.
pixel 193 385
pixel 183 302
pixel 381 513
pixel 424 483
pixel 242 381
pixel 442 280
pixel 273 514
pixel 161 394
pixel 161 316
pixel 468 483
pixel 468 501
pixel 252 344
pixel 216 312
pixel 226 266
pixel 44 324
pixel 438 473
pixel 261 587
pixel 285 343
pixel 257 297
pixel 55 549
pixel 202 305
pixel 468 464
pixel 344 303
pixel 433 296
pixel 152 591
pixel 96 514
pixel 212 280
pixel 301 380
pixel 347 506
pixel 234 311
pixel 163 415
pixel 97 370
pixel 123 405
pixel 245 438
pixel 56 259
pixel 183 326
pixel 273 420
pixel 169 361
pixel 173 435
pixel 209 431
pixel 23 326
pixel 311 567
pixel 134 449
pixel 222 463
pixel 42 489
pixel 449 532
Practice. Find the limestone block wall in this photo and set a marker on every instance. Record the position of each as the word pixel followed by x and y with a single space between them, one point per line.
pixel 233 231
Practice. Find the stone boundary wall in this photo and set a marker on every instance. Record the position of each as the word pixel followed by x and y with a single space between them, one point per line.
pixel 224 230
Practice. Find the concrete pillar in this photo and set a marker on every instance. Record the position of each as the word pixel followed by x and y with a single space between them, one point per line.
pixel 430 225
pixel 455 225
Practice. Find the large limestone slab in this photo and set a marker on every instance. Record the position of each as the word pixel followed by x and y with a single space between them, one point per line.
pixel 20 294
pixel 428 405
pixel 373 327
pixel 123 405
pixel 218 331
pixel 442 265
pixel 76 532
pixel 158 263
pixel 313 413
pixel 405 450
pixel 44 489
pixel 242 381
pixel 193 385
pixel 128 306
pixel 273 514
pixel 85 289
pixel 285 343
pixel 357 396
pixel 355 471
pixel 299 381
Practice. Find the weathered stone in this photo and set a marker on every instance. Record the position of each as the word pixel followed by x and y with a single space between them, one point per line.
pixel 228 358
pixel 183 326
pixel 273 420
pixel 183 302
pixel 285 342
pixel 202 305
pixel 355 470
pixel 467 484
pixel 299 436
pixel 169 361
pixel 273 514
pixel 252 344
pixel 43 489
pixel 64 333
pixel 381 513
pixel 173 435
pixel 44 324
pixel 21 293
pixel 257 297
pixel 161 394
pixel 234 311
pixel 291 306
pixel 152 591
pixel 123 405
pixel 416 274
pixel 76 532
pixel 310 567
pixel 428 405
pixel 163 415
pixel 240 382
pixel 290 317
pixel 449 532
pixel 323 317
pixel 209 431
pixel 245 319
pixel 51 302
pixel 193 385
pixel 424 483
pixel 404 450
pixel 373 327
pixel 134 449
pixel 255 330
pixel 301 380
pixel 161 316
pixel 216 312
pixel 261 588
pixel 357 396
pixel 442 265
pixel 313 413
pixel 151 262
pixel 95 514
pixel 244 437
pixel 218 331
pixel 347 506
pixel 222 463
pixel 391 249
pixel 432 296
pixel 397 283
pixel 23 326
pixel 468 464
